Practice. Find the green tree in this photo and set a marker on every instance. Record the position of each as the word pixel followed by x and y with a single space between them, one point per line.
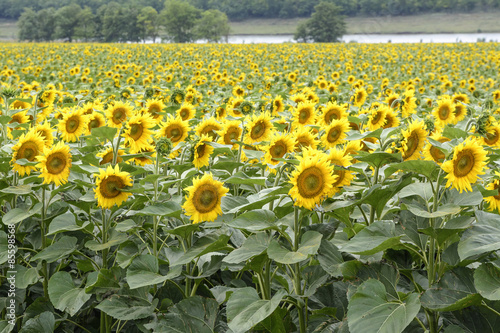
pixel 46 24
pixel 325 25
pixel 27 24
pixel 213 26
pixel 86 24
pixel 179 19
pixel 66 21
pixel 148 23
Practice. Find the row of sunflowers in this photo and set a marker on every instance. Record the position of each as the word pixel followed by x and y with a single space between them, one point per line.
pixel 234 188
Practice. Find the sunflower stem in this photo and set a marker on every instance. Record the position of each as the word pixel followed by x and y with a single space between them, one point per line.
pixel 117 147
pixel 44 245
pixel 297 277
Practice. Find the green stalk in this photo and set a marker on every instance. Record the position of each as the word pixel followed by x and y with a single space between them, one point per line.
pixel 372 209
pixel 156 220
pixel 44 245
pixel 297 277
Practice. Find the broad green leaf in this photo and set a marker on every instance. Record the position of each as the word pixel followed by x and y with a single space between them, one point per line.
pixel 125 307
pixel 444 210
pixel 206 244
pixel 253 246
pixel 309 245
pixel 254 220
pixel 65 222
pixel 18 190
pixel 44 323
pixel 5 326
pixel 25 276
pixel 379 158
pixel 487 281
pixel 330 258
pixel 16 215
pixel 60 249
pixel 422 167
pixel 104 132
pixel 242 178
pixel 454 133
pixel 185 230
pixel 423 190
pixel 169 208
pixel 103 281
pixel 377 237
pixel 482 237
pixel 231 203
pixel 191 315
pixel 64 295
pixel 4 247
pixel 144 272
pixel 369 310
pixel 443 299
pixel 116 238
pixel 465 198
pixel 245 308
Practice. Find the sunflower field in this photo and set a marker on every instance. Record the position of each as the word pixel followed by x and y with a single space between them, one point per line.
pixel 250 188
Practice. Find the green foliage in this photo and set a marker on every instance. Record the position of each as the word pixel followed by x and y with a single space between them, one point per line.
pixel 326 25
pixel 213 26
pixel 179 19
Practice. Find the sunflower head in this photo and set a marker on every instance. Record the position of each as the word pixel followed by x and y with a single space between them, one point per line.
pixel 118 113
pixel 54 164
pixel 177 96
pixel 259 128
pixel 29 147
pixel 111 184
pixel 413 140
pixel 335 133
pixel 201 152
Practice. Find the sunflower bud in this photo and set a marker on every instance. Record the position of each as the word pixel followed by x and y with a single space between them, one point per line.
pixel 246 107
pixel 177 96
pixel 164 147
pixel 9 92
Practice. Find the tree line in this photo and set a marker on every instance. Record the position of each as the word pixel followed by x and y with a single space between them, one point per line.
pixel 238 10
pixel 178 21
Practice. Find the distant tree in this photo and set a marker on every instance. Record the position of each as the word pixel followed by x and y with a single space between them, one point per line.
pixel 179 19
pixel 325 25
pixel 27 24
pixel 66 21
pixel 148 23
pixel 46 24
pixel 213 26
pixel 86 24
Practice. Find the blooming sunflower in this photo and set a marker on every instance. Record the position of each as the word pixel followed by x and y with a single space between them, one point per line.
pixel 460 112
pixel 110 184
pixel 409 105
pixel 331 112
pixel 46 132
pixel 312 181
pixel 258 128
pixel 175 129
pixel 148 158
pixel 72 125
pixel 233 107
pixel 203 202
pixel 469 161
pixel 186 111
pixel 95 120
pixel 29 146
pixel 154 107
pixel 304 114
pixel 208 126
pixel 376 118
pixel 138 131
pixel 432 153
pixel 280 144
pixel 118 113
pixel 492 136
pixel 340 162
pixel 444 112
pixel 494 200
pixel 278 105
pixel 359 97
pixel 353 148
pixel 54 164
pixel 304 138
pixel 231 131
pixel 413 140
pixel 391 119
pixel 107 155
pixel 202 151
pixel 335 133
pixel 20 118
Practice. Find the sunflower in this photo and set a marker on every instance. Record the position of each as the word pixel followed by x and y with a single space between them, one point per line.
pixel 492 136
pixel 280 145
pixel 494 200
pixel 409 106
pixel 432 153
pixel 107 155
pixel 376 118
pixel 304 114
pixel 391 119
pixel 299 98
pixel 460 98
pixel 444 112
pixel 413 140
pixel 312 181
pixel 138 131
pixel 233 107
pixel 20 118
pixel 95 120
pixel 359 97
pixel 29 146
pixel 110 183
pixel 186 111
pixel 175 129
pixel 278 105
pixel 335 133
pixel 331 112
pixel 154 107
pixel 340 161
pixel 258 128
pixel 238 91
pixel 202 152
pixel 148 158
pixel 72 125
pixel 231 131
pixel 46 132
pixel 208 126
pixel 118 113
pixel 353 148
pixel 469 161
pixel 54 164
pixel 203 202
pixel 460 112
pixel 304 138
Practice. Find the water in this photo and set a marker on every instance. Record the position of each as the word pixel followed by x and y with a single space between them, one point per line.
pixel 379 38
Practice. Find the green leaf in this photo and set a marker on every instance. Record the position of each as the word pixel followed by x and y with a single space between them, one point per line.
pixel 378 236
pixel 206 244
pixel 64 295
pixel 379 158
pixel 422 167
pixel 185 230
pixel 18 190
pixel 102 281
pixel 25 276
pixel 482 237
pixel 169 208
pixel 444 299
pixel 104 132
pixel 454 133
pixel 309 245
pixel 65 222
pixel 4 247
pixel 487 281
pixel 423 190
pixel 191 315
pixel 125 307
pixel 61 249
pixel 242 178
pixel 44 323
pixel 255 220
pixel 253 246
pixel 5 326
pixel 245 309
pixel 116 238
pixel 144 272
pixel 444 210
pixel 16 215
pixel 330 258
pixel 465 198
pixel 369 310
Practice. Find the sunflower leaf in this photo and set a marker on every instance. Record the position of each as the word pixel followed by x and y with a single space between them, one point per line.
pixel 309 245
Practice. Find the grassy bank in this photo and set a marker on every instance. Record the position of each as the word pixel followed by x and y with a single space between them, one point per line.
pixel 8 29
pixel 428 23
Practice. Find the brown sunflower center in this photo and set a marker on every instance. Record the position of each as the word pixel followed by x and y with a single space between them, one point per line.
pixel 491 139
pixel 56 163
pixel 72 124
pixel 119 115
pixel 444 112
pixel 310 182
pixel 334 134
pixel 302 141
pixel 463 163
pixel 28 150
pixel 232 134
pixel 278 150
pixel 331 115
pixel 258 130
pixel 200 150
pixel 376 117
pixel 136 131
pixel 411 145
pixel 111 186
pixel 94 123
pixel 205 198
pixel 304 116
pixel 174 133
pixel 210 131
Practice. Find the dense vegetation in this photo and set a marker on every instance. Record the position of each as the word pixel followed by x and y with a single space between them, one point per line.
pixel 267 8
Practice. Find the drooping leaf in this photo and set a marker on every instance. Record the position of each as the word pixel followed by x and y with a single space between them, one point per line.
pixel 65 222
pixel 254 220
pixel 444 210
pixel 487 281
pixel 16 215
pixel 377 237
pixel 309 245
pixel 442 299
pixel 64 295
pixel 206 244
pixel 422 167
pixel 330 258
pixel 60 249
pixel 125 307
pixel 482 237
pixel 44 323
pixel 144 272
pixel 253 246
